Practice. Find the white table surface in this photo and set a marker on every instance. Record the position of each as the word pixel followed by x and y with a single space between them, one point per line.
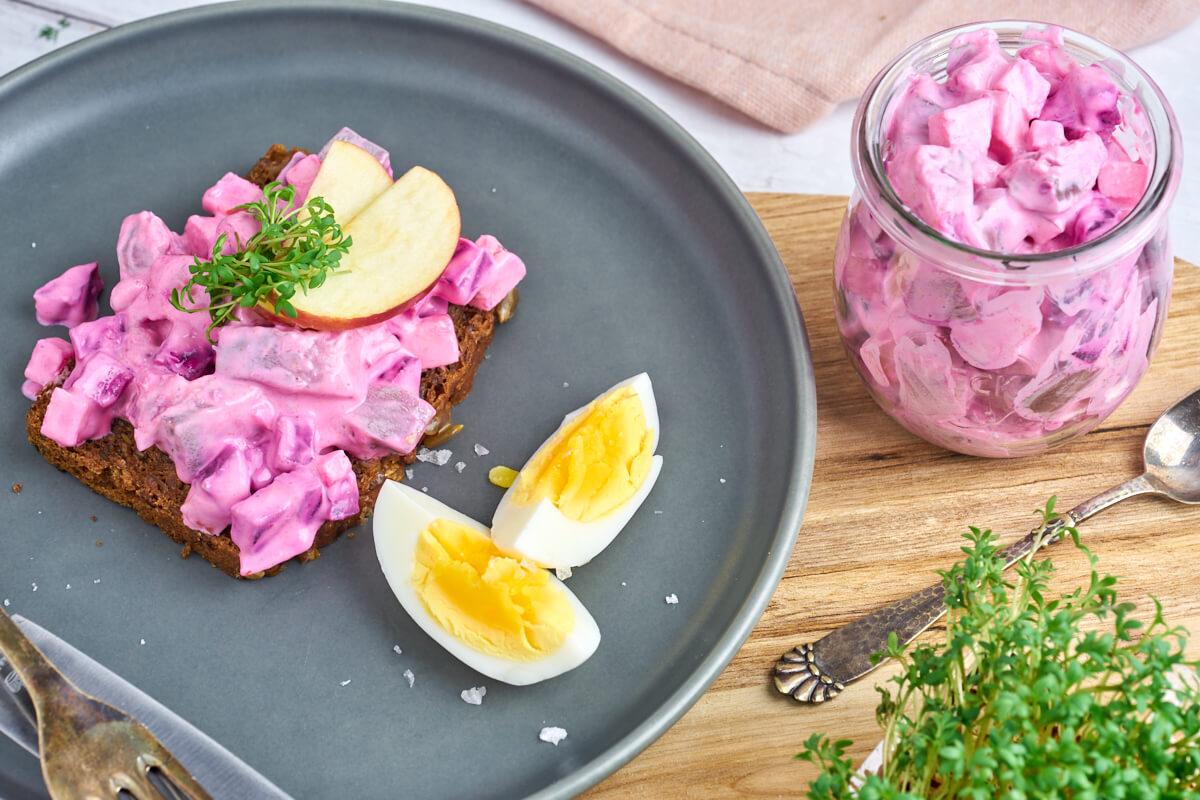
pixel 815 161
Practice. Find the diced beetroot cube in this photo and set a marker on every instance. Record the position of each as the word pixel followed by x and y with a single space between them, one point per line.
pixel 1024 83
pixel 143 238
pixel 936 183
pixel 106 333
pixel 1056 178
pixel 1009 127
pixel 101 378
pixel 974 61
pixel 1094 219
pixel 457 282
pixel 348 135
pixel 1050 60
pixel 239 228
pixel 294 443
pixel 278 521
pixel 921 98
pixel 1005 224
pixel 389 416
pixel 71 298
pixel 336 474
pixel 228 193
pixel 300 174
pixel 497 277
pixel 186 352
pixel 430 339
pixel 1085 101
pixel 172 272
pixel 1005 324
pixel 47 364
pixel 963 127
pixel 215 490
pixel 937 297
pixel 72 418
pixel 200 234
pixel 1045 133
pixel 1124 181
pixel 985 172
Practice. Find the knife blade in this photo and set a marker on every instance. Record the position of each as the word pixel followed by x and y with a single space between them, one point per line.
pixel 219 771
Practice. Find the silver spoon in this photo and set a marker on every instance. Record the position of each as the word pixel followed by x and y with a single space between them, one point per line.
pixel 819 671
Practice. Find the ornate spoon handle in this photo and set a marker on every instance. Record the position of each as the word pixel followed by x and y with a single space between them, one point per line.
pixel 819 671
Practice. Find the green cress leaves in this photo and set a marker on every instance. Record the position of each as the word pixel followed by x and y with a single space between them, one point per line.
pixel 292 252
pixel 1021 701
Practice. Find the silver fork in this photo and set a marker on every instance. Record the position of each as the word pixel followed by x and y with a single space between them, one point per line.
pixel 89 749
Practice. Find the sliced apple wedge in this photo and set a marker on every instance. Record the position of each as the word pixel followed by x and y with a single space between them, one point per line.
pixel 402 242
pixel 349 179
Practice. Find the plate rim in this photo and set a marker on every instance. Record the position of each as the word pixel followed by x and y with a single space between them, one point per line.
pixel 801 394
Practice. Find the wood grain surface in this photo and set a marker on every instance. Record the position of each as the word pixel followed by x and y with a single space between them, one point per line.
pixel 886 510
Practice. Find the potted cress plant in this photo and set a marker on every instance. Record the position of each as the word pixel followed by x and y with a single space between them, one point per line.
pixel 1026 698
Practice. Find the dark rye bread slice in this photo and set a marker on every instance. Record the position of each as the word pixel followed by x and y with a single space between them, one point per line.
pixel 145 480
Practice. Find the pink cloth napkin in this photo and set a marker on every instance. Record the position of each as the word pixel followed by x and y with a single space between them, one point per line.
pixel 786 63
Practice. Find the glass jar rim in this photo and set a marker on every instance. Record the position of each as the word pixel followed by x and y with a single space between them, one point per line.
pixel 991 265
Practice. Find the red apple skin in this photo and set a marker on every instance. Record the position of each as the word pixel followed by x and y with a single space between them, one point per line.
pixel 432 261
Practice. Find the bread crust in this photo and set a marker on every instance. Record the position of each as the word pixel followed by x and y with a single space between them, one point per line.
pixel 146 481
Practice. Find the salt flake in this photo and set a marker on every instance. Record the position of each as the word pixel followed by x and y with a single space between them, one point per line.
pixel 474 695
pixel 408 676
pixel 459 466
pixel 396 649
pixel 345 682
pixel 671 599
pixel 438 457
pixel 480 450
pixel 552 734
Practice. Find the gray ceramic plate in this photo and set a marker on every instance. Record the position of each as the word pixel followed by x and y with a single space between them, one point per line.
pixel 642 255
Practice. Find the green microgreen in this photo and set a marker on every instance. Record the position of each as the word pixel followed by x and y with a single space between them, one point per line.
pixel 1030 696
pixel 50 33
pixel 294 250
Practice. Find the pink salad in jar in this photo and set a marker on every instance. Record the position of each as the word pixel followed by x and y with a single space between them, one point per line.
pixel 1004 269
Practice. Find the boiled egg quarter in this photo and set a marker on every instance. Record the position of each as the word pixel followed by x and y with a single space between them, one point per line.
pixel 502 616
pixel 583 484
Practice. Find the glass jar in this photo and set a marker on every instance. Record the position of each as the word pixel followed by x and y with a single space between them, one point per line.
pixel 972 339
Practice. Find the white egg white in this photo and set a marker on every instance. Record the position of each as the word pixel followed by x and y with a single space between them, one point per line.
pixel 541 533
pixel 401 514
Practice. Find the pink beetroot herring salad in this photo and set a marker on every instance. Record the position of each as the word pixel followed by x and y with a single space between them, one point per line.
pixel 1014 153
pixel 262 421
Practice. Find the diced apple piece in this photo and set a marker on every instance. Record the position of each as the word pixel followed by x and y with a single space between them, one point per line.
pixel 401 243
pixel 349 179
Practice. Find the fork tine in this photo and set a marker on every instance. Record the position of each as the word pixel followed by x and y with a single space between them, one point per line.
pixel 178 779
pixel 136 782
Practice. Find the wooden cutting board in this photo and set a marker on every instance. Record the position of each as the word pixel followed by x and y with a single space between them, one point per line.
pixel 886 510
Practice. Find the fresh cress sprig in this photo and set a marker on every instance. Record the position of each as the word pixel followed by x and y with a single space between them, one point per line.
pixel 294 251
pixel 1021 701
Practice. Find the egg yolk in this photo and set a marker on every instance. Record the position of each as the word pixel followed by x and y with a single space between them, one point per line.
pixel 485 599
pixel 596 463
